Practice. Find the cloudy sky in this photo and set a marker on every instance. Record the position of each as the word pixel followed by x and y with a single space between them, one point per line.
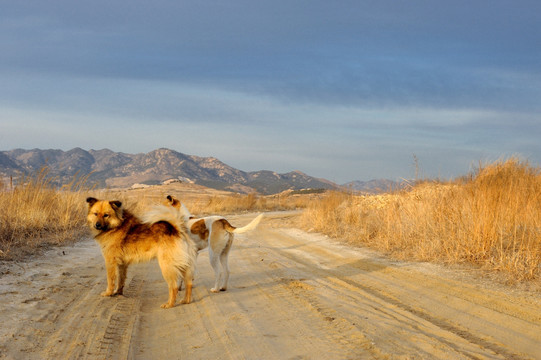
pixel 343 89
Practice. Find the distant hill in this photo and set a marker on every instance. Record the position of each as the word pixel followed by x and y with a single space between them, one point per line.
pixel 107 168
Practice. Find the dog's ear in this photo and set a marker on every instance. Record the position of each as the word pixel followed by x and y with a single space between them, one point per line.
pixel 91 201
pixel 117 207
pixel 115 204
pixel 173 201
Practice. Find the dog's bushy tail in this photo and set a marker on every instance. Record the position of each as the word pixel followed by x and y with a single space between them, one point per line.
pixel 251 226
pixel 168 214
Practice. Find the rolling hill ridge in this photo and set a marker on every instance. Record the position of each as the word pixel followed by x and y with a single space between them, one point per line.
pixel 107 168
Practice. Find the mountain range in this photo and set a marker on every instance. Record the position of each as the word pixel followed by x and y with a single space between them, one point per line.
pixel 107 168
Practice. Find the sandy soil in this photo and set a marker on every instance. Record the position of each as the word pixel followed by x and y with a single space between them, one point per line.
pixel 292 295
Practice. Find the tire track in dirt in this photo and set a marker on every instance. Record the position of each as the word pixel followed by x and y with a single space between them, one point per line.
pixel 65 317
pixel 257 318
pixel 339 336
pixel 117 336
pixel 50 301
pixel 370 282
pixel 275 315
pixel 392 313
pixel 93 327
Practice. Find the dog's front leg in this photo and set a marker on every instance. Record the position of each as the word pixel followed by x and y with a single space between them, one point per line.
pixel 111 268
pixel 122 274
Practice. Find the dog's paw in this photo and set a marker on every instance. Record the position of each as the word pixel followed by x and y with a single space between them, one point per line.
pixel 167 305
pixel 214 290
pixel 107 293
pixel 185 301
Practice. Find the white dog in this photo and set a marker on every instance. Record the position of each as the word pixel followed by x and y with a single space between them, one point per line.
pixel 216 233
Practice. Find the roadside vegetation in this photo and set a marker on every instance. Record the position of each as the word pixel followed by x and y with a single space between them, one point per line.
pixel 36 214
pixel 491 219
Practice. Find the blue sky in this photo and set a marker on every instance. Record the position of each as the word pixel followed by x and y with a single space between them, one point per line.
pixel 344 90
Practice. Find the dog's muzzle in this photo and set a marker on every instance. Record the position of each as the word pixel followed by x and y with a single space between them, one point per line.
pixel 100 226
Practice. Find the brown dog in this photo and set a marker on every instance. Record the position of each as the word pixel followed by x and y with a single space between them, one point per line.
pixel 125 240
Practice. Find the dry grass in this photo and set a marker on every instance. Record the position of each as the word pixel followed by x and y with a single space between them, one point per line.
pixel 491 219
pixel 241 203
pixel 35 214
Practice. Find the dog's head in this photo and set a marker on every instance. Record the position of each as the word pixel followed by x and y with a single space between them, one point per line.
pixel 182 210
pixel 103 215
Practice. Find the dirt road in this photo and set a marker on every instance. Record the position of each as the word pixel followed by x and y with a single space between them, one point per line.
pixel 292 295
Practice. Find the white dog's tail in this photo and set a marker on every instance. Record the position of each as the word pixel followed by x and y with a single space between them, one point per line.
pixel 251 226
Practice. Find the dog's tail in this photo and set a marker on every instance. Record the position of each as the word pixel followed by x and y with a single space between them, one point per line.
pixel 168 214
pixel 251 226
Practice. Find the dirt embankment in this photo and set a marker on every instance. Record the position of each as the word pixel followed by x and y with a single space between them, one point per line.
pixel 292 295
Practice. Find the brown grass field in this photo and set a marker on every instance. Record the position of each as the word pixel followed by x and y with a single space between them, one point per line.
pixel 490 219
pixel 35 215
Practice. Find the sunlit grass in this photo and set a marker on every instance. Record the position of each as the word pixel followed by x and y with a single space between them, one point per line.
pixel 35 213
pixel 491 219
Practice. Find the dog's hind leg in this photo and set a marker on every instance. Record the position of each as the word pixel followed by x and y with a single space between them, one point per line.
pixel 180 285
pixel 193 274
pixel 215 262
pixel 170 275
pixel 188 279
pixel 224 256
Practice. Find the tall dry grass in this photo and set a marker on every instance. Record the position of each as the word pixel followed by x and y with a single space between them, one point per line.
pixel 35 213
pixel 491 219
